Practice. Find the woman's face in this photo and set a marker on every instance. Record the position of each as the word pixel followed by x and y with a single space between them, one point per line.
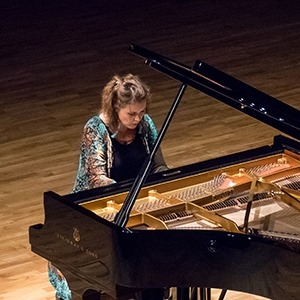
pixel 131 114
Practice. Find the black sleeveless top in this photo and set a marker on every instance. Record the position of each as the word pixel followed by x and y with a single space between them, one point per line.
pixel 128 159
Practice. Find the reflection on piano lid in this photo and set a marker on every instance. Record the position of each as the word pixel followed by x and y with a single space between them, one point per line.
pixel 229 223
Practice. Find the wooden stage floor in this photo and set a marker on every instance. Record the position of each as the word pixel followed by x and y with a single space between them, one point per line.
pixel 57 55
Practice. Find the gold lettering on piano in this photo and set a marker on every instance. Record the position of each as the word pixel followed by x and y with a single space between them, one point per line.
pixel 76 234
pixel 76 245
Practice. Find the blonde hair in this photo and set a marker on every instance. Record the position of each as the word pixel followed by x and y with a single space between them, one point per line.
pixel 119 92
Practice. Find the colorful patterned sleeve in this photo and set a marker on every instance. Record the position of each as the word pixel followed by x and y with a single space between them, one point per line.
pixel 95 157
pixel 95 147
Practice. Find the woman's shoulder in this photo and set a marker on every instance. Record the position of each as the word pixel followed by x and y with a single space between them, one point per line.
pixel 148 120
pixel 148 127
pixel 96 123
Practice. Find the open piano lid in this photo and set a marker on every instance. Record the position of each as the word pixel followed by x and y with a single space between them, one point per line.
pixel 96 254
pixel 229 90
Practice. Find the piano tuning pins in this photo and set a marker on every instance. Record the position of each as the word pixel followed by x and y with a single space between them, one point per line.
pixel 109 212
pixel 291 182
pixel 106 215
pixel 266 168
pixel 215 183
pixel 203 189
pixel 151 204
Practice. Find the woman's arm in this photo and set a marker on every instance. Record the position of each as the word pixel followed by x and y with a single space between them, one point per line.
pixel 159 163
pixel 95 157
pixel 95 146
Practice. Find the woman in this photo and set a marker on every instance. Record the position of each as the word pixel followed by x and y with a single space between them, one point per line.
pixel 114 145
pixel 116 142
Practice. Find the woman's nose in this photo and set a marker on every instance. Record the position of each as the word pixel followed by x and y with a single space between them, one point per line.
pixel 138 117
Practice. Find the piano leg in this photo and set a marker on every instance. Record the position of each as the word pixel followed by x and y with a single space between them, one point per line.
pixel 205 294
pixel 183 293
pixel 222 295
pixel 194 293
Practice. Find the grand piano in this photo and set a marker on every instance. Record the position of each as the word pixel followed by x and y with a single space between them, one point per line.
pixel 231 223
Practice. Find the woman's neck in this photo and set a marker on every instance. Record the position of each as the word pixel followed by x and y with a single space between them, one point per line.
pixel 122 134
pixel 125 136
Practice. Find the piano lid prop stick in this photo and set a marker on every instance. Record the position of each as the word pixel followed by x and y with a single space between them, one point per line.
pixel 249 203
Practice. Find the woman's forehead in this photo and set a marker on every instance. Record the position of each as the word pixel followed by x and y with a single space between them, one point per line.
pixel 135 106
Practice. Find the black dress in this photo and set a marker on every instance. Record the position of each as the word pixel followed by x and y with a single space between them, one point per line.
pixel 128 159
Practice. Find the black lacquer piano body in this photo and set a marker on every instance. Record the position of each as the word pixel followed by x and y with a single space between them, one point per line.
pixel 229 223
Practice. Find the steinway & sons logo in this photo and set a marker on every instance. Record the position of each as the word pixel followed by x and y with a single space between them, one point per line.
pixel 76 235
pixel 75 242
